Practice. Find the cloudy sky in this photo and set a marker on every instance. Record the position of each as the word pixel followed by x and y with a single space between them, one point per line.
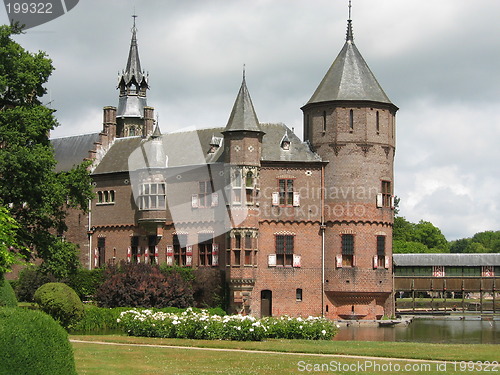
pixel 438 61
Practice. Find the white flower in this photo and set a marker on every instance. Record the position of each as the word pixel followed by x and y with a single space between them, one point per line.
pixel 251 329
pixel 323 332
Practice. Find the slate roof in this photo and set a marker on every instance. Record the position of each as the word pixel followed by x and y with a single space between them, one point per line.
pixel 243 116
pixel 349 78
pixel 446 259
pixel 70 151
pixel 192 148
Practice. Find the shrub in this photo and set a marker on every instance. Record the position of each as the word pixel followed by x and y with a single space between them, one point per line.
pixel 86 282
pixel 30 279
pixel 143 285
pixel 192 324
pixel 208 287
pixel 33 343
pixel 61 302
pixel 7 295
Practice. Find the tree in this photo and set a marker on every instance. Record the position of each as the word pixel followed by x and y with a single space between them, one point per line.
pixel 8 241
pixel 37 196
pixel 422 237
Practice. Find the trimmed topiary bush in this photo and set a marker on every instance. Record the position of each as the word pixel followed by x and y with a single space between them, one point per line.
pixel 7 295
pixel 33 343
pixel 61 302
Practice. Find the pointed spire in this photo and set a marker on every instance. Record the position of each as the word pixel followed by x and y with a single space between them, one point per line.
pixel 243 116
pixel 349 36
pixel 157 131
pixel 133 69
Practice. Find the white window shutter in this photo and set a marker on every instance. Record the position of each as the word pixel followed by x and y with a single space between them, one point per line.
pixel 194 201
pixel 393 202
pixel 96 257
pixel 215 254
pixel 276 199
pixel 338 259
pixel 380 200
pixel 375 262
pixel 296 199
pixel 129 254
pixel 170 255
pixel 156 255
pixel 189 256
pixel 271 260
pixel 297 260
pixel 387 262
pixel 215 199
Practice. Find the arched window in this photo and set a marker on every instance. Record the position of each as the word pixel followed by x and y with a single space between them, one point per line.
pixel 249 180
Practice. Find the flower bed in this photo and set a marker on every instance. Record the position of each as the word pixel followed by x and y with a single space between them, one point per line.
pixel 201 325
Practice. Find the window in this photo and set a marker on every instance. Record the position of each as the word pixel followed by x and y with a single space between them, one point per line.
pixel 179 243
pixel 249 184
pixel 248 249
pixel 134 246
pixel 237 251
pixel 152 242
pixel 284 250
pixel 324 121
pixel 377 122
pixel 347 250
pixel 101 249
pixel 381 251
pixel 152 196
pixel 106 197
pixel 386 194
pixel 298 294
pixel 351 121
pixel 205 244
pixel 237 187
pixel 286 192
pixel 205 194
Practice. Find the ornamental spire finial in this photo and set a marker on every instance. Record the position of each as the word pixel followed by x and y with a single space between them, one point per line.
pixel 349 36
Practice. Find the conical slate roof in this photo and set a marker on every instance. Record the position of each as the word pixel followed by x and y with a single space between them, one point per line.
pixel 349 78
pixel 243 117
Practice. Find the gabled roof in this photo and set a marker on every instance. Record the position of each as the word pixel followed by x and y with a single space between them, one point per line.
pixel 71 151
pixel 192 148
pixel 349 78
pixel 243 116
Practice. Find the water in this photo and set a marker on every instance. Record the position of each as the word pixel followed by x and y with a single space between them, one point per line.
pixel 428 330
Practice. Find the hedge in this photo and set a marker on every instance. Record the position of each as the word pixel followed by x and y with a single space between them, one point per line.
pixel 7 295
pixel 33 343
pixel 61 302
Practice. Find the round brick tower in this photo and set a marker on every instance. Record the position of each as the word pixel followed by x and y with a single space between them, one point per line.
pixel 350 122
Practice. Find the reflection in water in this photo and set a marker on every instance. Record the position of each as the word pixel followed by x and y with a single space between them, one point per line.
pixel 428 330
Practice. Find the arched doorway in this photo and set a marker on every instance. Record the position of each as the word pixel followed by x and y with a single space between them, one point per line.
pixel 266 303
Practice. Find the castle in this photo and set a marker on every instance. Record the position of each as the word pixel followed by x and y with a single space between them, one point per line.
pixel 297 227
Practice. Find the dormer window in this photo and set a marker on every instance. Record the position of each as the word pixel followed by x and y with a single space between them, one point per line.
pixel 215 144
pixel 285 142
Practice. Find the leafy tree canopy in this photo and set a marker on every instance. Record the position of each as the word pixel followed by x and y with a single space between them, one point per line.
pixel 422 237
pixel 36 196
pixel 482 242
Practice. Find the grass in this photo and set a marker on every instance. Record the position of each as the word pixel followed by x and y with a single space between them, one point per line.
pixel 109 360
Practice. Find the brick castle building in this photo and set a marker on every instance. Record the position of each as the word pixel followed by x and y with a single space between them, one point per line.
pixel 297 227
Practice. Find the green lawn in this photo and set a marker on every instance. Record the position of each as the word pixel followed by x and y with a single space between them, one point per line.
pixel 111 359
